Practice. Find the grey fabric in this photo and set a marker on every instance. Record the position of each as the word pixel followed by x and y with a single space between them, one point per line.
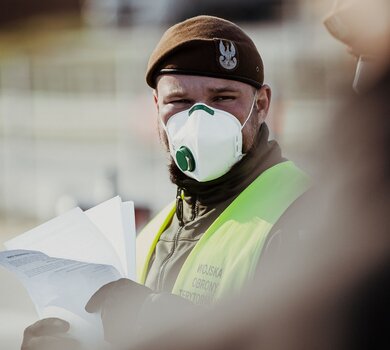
pixel 176 243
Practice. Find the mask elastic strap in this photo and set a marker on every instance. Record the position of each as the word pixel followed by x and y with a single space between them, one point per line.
pixel 162 124
pixel 250 112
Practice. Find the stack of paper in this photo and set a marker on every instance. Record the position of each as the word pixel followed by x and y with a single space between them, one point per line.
pixel 64 261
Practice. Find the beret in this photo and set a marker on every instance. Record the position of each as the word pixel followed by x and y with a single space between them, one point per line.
pixel 206 46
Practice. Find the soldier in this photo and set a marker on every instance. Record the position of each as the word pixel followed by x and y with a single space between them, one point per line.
pixel 233 185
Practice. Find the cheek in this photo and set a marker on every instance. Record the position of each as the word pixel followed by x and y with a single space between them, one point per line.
pixel 238 114
pixel 166 112
pixel 160 128
pixel 241 110
pixel 249 133
pixel 163 136
pixel 163 113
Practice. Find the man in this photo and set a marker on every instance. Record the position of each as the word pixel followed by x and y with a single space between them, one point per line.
pixel 212 102
pixel 233 185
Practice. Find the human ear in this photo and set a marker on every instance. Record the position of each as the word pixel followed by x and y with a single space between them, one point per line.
pixel 263 101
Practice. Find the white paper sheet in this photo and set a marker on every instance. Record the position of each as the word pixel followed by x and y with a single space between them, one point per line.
pixel 107 217
pixel 129 234
pixel 61 288
pixel 69 236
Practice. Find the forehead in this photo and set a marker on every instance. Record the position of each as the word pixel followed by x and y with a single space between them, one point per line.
pixel 171 83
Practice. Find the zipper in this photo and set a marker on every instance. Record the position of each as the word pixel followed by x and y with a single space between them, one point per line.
pixel 179 214
pixel 179 206
pixel 196 209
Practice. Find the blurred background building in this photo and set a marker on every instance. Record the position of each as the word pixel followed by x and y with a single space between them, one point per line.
pixel 77 120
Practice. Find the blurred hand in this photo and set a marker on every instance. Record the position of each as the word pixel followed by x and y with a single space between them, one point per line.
pixel 49 334
pixel 119 304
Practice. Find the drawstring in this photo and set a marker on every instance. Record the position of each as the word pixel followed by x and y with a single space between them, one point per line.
pixel 179 206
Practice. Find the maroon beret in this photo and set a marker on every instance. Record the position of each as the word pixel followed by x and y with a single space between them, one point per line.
pixel 206 46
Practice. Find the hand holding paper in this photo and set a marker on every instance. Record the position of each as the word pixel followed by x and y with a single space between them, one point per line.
pixel 49 334
pixel 119 303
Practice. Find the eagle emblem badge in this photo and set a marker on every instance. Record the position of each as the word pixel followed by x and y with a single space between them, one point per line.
pixel 227 58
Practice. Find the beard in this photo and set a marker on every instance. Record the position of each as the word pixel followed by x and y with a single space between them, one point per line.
pixel 175 174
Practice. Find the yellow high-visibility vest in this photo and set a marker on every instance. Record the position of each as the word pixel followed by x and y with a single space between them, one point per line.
pixel 226 256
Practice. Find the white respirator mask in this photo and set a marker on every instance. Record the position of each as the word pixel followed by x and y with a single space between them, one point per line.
pixel 205 142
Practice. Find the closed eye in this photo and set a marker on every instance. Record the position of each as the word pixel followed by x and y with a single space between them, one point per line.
pixel 180 101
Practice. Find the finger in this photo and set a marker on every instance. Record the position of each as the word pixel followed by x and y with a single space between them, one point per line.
pixel 50 343
pixel 122 288
pixel 47 326
pixel 94 304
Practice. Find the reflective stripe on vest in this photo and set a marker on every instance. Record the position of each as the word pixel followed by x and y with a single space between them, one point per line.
pixel 226 256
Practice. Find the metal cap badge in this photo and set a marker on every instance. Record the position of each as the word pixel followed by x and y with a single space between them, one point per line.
pixel 227 58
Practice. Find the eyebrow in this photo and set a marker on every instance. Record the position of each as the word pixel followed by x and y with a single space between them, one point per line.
pixel 223 89
pixel 176 92
pixel 179 92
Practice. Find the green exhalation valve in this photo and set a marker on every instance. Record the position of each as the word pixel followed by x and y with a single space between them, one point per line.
pixel 185 159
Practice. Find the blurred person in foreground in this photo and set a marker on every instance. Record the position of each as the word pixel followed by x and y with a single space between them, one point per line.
pixel 334 293
pixel 364 28
pixel 233 185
